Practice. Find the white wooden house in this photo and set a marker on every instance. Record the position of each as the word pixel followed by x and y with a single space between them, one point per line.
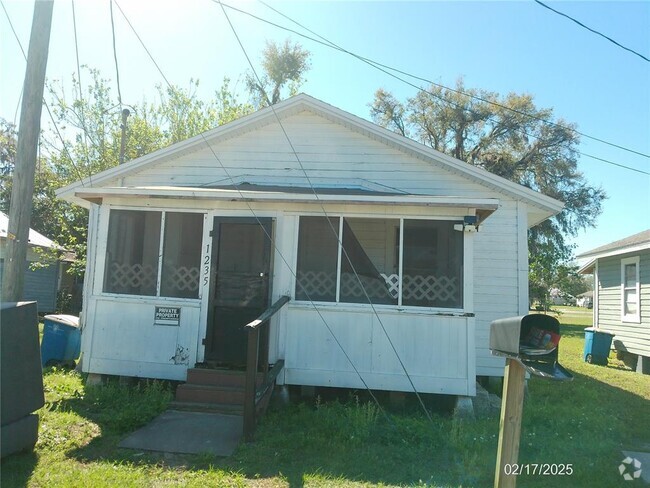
pixel 190 242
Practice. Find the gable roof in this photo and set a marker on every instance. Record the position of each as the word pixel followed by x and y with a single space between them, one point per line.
pixel 35 238
pixel 542 205
pixel 636 242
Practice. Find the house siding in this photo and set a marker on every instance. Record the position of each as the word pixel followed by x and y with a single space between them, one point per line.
pixel 631 337
pixel 40 285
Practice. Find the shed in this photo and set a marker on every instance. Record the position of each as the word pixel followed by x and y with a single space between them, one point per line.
pixel 621 301
pixel 371 235
pixel 42 283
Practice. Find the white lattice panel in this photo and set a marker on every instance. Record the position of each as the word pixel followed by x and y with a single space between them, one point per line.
pixel 132 276
pixel 429 288
pixel 416 287
pixel 317 283
pixel 181 278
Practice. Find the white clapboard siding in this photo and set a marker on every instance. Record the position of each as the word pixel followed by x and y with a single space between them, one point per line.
pixel 434 350
pixel 125 340
pixel 630 336
pixel 326 150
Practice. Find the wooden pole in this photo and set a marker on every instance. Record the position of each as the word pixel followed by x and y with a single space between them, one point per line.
pixel 512 405
pixel 20 209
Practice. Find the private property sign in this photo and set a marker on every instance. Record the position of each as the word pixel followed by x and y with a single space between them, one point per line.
pixel 167 316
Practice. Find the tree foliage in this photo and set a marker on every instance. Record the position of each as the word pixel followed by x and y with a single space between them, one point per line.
pixel 284 68
pixel 90 142
pixel 505 135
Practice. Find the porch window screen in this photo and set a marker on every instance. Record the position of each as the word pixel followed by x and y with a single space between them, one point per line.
pixel 133 248
pixel 369 247
pixel 181 255
pixel 132 252
pixel 317 259
pixel 431 257
pixel 433 264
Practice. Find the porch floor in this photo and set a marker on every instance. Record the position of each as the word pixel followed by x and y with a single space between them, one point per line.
pixel 188 433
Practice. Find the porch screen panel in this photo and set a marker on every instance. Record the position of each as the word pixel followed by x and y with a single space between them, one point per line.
pixel 371 251
pixel 132 252
pixel 317 259
pixel 181 255
pixel 432 264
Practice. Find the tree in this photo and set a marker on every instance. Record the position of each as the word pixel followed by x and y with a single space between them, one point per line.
pixel 90 143
pixel 505 135
pixel 284 66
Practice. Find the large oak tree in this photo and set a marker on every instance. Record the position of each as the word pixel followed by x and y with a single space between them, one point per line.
pixel 511 137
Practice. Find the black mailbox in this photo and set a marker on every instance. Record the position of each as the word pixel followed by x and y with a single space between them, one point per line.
pixel 533 341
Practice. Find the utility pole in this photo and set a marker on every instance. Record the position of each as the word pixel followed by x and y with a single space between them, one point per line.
pixel 20 210
pixel 125 115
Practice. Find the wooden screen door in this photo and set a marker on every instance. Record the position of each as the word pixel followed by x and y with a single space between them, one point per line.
pixel 240 287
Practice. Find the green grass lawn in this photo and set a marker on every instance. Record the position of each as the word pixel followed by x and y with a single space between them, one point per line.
pixel 585 422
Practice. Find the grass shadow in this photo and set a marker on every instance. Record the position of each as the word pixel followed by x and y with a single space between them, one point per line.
pixel 17 468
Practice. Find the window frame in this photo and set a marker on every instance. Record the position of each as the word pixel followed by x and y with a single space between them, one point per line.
pixel 103 236
pixel 466 289
pixel 629 317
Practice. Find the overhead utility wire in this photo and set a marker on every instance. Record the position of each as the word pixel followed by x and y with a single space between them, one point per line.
pixel 81 96
pixel 275 248
pixel 380 68
pixel 65 148
pixel 338 238
pixel 117 68
pixel 460 92
pixel 598 33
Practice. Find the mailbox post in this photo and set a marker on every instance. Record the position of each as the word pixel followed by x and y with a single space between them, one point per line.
pixel 530 344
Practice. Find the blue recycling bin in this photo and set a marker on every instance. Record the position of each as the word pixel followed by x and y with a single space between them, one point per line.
pixel 597 345
pixel 61 340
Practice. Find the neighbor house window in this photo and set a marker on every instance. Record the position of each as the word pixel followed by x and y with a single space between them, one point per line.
pixel 630 304
pixel 133 253
pixel 384 261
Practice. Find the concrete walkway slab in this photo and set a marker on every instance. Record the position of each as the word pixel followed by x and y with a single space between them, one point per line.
pixel 188 433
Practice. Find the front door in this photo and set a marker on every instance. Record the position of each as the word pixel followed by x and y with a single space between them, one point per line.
pixel 240 288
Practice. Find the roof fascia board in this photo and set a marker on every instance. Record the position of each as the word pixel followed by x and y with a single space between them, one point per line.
pixel 92 194
pixel 642 246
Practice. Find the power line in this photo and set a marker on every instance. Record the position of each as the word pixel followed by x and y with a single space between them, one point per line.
pixel 65 148
pixel 338 238
pixel 460 92
pixel 598 33
pixel 384 68
pixel 117 68
pixel 81 96
pixel 276 249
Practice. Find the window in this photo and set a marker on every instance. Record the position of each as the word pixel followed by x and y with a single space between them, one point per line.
pixel 433 264
pixel 630 306
pixel 132 252
pixel 317 259
pixel 369 262
pixel 133 249
pixel 368 265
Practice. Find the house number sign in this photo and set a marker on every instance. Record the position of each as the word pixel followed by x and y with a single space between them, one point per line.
pixel 167 316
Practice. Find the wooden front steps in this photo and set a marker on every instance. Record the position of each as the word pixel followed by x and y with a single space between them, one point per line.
pixel 212 390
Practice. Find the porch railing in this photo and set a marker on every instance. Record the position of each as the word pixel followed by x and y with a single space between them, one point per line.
pixel 254 359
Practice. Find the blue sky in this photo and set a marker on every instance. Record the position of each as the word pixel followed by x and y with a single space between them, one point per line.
pixel 499 46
